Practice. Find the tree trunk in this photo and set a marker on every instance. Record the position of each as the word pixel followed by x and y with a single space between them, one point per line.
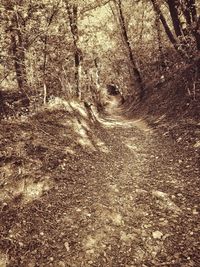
pixel 73 19
pixel 136 76
pixel 160 46
pixel 164 23
pixel 193 22
pixel 197 38
pixel 19 61
pixel 168 31
pixel 191 5
pixel 186 12
pixel 173 9
pixel 18 47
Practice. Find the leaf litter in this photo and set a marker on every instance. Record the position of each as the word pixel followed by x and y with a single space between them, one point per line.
pixel 108 193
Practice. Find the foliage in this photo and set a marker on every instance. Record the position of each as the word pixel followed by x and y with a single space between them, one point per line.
pixel 74 48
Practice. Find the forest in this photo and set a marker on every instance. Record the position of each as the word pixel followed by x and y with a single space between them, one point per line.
pixel 74 48
pixel 99 133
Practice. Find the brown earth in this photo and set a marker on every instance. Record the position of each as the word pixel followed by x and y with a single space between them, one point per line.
pixel 117 192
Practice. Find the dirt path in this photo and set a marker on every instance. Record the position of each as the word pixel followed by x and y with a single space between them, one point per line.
pixel 133 204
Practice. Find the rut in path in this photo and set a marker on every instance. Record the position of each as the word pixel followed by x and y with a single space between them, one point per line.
pixel 135 204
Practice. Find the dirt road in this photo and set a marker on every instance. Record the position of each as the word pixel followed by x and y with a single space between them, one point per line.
pixel 131 202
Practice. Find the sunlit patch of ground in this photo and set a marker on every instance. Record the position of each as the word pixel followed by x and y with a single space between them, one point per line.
pixel 26 189
pixel 41 144
pixel 35 150
pixel 3 260
pixel 142 125
pixel 34 190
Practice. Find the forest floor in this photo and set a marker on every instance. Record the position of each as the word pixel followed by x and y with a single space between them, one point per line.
pixel 124 194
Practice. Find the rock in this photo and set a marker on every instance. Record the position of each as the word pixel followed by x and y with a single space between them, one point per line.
pixel 195 212
pixel 197 144
pixel 61 264
pixel 3 260
pixel 51 259
pixel 157 235
pixel 66 244
pixel 159 194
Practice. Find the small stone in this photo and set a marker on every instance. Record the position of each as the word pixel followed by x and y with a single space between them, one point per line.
pixel 21 244
pixel 61 264
pixel 197 144
pixel 195 212
pixel 78 209
pixel 157 235
pixel 66 244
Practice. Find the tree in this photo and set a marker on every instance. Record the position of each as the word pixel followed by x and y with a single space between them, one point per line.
pixel 164 23
pixel 192 19
pixel 72 10
pixel 49 21
pixel 173 9
pixel 135 73
pixel 16 25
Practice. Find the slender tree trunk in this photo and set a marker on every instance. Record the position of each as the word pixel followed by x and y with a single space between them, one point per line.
pixel 97 73
pixel 196 34
pixel 186 12
pixel 164 23
pixel 168 31
pixel 173 9
pixel 192 19
pixel 136 76
pixel 160 46
pixel 18 49
pixel 19 61
pixel 196 21
pixel 1 105
pixel 73 20
pixel 192 8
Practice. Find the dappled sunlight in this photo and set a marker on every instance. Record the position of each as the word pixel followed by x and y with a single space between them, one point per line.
pixel 85 125
pixel 87 139
pixel 69 105
pixel 69 150
pixel 25 189
pixel 115 121
pixel 7 170
pixel 85 142
pixel 66 131
pixel 142 125
pixel 101 145
pixel 132 147
pixel 3 259
pixel 11 188
pixel 84 139
pixel 57 103
pixel 119 121
pixel 78 128
pixel 131 144
pixel 34 190
pixel 166 202
pixel 160 118
pixel 79 108
pixel 100 133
